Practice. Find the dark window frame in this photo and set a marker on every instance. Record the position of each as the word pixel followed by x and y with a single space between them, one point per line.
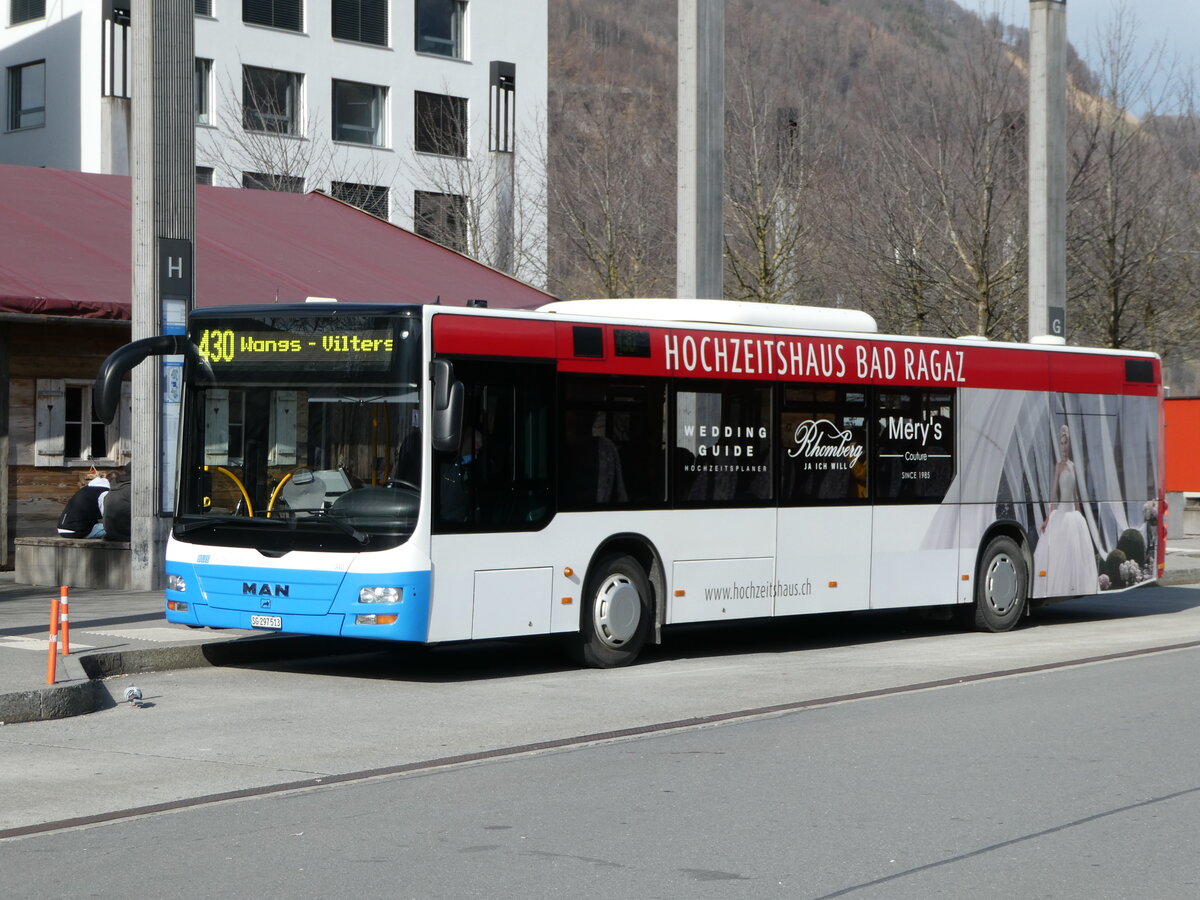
pixel 370 198
pixel 271 181
pixel 20 11
pixel 272 101
pixel 361 21
pixel 202 91
pixel 439 27
pixel 286 15
pixel 344 129
pixel 442 218
pixel 17 113
pixel 441 126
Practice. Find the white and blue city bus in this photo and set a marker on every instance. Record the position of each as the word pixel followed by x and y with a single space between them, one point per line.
pixel 605 469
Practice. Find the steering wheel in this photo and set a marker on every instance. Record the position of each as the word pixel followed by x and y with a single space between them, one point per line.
pixel 404 483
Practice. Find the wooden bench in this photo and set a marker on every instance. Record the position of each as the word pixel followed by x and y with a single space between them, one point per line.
pixel 75 562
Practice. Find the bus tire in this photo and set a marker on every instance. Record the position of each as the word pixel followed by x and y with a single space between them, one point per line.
pixel 1002 588
pixel 617 613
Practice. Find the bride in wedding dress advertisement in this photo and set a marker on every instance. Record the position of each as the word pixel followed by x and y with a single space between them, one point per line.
pixel 1064 550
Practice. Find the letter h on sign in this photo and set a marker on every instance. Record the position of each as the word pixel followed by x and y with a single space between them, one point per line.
pixel 175 269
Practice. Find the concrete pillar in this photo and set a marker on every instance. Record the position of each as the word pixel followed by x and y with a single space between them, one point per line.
pixel 700 173
pixel 4 496
pixel 1047 170
pixel 163 169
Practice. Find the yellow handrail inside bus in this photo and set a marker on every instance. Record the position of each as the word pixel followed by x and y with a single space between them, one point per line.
pixel 237 481
pixel 275 493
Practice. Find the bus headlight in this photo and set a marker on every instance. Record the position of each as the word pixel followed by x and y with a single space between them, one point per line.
pixel 176 583
pixel 373 619
pixel 381 595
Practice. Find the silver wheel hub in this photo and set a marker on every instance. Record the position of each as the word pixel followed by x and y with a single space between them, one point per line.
pixel 617 611
pixel 1001 584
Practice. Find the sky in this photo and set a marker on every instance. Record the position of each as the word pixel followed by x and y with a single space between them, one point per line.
pixel 1173 24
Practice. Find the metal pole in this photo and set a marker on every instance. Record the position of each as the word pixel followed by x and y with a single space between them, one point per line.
pixel 163 167
pixel 1047 170
pixel 700 178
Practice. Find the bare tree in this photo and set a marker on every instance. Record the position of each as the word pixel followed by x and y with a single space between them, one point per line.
pixel 941 222
pixel 487 204
pixel 611 193
pixel 777 138
pixel 1132 208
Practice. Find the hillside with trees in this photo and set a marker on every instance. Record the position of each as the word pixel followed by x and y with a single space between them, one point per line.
pixel 876 157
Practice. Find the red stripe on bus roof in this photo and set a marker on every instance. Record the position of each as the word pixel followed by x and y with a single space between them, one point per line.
pixel 851 359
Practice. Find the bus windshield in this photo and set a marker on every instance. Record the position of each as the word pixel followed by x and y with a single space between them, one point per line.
pixel 302 432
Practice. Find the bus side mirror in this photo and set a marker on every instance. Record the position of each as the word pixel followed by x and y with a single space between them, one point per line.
pixel 447 406
pixel 106 392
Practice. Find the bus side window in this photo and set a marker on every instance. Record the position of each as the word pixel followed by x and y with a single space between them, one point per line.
pixel 499 478
pixel 913 445
pixel 612 443
pixel 824 437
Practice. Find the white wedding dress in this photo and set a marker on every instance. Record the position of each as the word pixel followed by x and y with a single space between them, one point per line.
pixel 1064 551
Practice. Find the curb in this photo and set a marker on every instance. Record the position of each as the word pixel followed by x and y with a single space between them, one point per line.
pixel 59 702
pixel 64 701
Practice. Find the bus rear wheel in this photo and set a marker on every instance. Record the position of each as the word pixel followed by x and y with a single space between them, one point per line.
pixel 1002 588
pixel 617 613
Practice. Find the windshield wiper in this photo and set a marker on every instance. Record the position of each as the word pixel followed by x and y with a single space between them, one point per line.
pixel 361 536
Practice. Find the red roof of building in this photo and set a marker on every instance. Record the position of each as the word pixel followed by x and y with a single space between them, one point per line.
pixel 65 250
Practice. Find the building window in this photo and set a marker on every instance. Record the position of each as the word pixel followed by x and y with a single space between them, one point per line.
pixel 287 14
pixel 441 124
pixel 358 112
pixel 204 175
pixel 361 20
pixel 267 181
pixel 27 96
pixel 26 11
pixel 368 197
pixel 440 27
pixel 67 433
pixel 202 91
pixel 204 8
pixel 270 100
pixel 441 218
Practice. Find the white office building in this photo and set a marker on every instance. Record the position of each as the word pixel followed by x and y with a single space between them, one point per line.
pixel 430 113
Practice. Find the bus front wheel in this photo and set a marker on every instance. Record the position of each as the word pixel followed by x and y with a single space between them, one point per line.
pixel 617 613
pixel 1002 588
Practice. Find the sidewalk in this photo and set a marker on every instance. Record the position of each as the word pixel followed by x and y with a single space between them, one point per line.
pixel 111 633
pixel 123 633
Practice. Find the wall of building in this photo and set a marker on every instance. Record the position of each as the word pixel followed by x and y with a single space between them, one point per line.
pixel 35 494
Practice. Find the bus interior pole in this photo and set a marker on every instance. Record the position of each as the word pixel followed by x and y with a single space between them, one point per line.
pixel 162 165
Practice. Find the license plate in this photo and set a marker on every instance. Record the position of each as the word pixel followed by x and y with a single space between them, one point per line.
pixel 266 621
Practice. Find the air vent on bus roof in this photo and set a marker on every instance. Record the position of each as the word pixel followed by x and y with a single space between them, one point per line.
pixel 719 312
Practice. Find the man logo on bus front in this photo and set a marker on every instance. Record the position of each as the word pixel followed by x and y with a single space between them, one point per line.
pixel 265 604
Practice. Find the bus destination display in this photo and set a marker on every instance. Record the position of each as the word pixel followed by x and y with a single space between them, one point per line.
pixel 358 349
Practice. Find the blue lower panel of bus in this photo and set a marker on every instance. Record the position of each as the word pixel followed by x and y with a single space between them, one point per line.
pixel 299 601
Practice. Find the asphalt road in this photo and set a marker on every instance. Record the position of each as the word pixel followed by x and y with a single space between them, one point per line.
pixel 863 756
